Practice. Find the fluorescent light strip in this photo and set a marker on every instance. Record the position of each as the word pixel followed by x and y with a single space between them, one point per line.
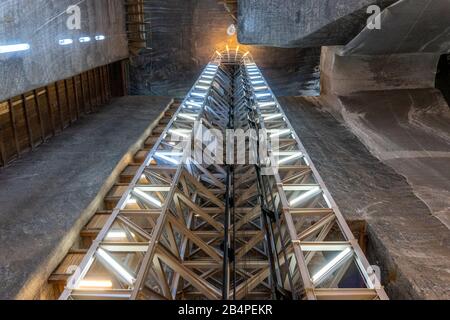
pixel 116 235
pixel 100 37
pixel 187 116
pixel 202 87
pixel 268 117
pixel 132 201
pixel 259 88
pixel 147 197
pixel 181 132
pixel 124 274
pixel 85 39
pixel 322 273
pixel 170 153
pixel 301 187
pixel 290 158
pixel 166 158
pixel 258 82
pixel 199 94
pixel 263 95
pixel 277 133
pixel 14 48
pixel 95 284
pixel 306 196
pixel 208 82
pixel 267 104
pixel 194 104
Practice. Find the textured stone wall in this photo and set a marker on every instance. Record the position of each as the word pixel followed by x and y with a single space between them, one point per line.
pixel 390 103
pixel 342 75
pixel 408 26
pixel 185 34
pixel 303 23
pixel 41 24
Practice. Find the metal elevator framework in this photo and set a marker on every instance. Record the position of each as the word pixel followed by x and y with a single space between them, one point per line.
pixel 190 230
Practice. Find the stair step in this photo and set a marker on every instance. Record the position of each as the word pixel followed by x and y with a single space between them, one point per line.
pixel 151 141
pixel 141 155
pixel 74 258
pixel 128 174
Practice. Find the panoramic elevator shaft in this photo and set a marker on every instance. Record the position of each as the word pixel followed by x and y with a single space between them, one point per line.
pixel 227 205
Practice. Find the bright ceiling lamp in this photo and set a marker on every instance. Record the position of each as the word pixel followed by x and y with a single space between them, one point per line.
pixel 295 156
pixel 147 197
pixel 331 266
pixel 100 37
pixel 95 284
pixel 115 266
pixel 14 48
pixel 65 42
pixel 305 197
pixel 231 30
pixel 85 39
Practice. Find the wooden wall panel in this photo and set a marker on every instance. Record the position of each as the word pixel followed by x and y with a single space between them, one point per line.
pixel 28 120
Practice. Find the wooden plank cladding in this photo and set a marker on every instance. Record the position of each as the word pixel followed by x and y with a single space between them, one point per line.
pixel 28 120
pixel 137 27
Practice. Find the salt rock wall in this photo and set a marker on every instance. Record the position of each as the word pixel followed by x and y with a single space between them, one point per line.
pixel 41 24
pixel 399 115
pixel 185 34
